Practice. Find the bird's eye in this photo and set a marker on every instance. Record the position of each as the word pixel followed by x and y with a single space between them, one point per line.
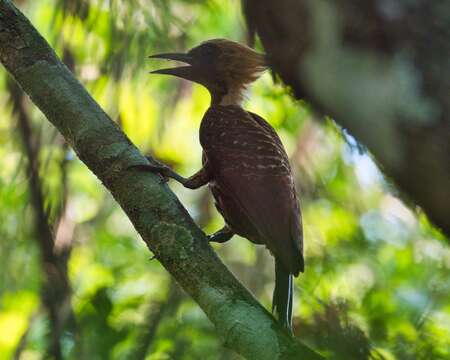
pixel 208 49
pixel 205 54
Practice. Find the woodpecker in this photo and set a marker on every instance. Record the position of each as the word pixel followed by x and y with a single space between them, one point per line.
pixel 244 162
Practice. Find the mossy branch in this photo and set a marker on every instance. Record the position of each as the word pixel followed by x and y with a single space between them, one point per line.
pixel 156 213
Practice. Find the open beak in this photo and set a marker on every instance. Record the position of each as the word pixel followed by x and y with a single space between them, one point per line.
pixel 185 72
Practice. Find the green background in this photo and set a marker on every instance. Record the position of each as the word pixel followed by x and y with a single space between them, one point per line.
pixel 377 273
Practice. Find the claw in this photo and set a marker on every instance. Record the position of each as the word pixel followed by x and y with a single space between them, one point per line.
pixel 221 236
pixel 156 163
pixel 150 167
pixel 155 167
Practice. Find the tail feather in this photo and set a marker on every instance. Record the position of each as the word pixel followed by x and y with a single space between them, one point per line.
pixel 283 295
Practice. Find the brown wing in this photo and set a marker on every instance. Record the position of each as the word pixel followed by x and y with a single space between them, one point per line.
pixel 252 181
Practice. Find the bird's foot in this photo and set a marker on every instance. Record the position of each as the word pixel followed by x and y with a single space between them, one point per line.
pixel 221 236
pixel 154 166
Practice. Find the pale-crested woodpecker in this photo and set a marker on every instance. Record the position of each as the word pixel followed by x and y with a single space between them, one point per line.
pixel 244 162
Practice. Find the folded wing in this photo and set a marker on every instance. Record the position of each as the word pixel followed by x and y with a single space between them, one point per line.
pixel 252 181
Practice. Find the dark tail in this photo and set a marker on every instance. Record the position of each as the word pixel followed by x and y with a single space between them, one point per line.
pixel 283 295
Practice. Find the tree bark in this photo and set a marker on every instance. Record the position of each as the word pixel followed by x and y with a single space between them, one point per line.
pixel 381 70
pixel 158 216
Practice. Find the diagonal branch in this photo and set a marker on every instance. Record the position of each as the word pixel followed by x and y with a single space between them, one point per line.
pixel 158 216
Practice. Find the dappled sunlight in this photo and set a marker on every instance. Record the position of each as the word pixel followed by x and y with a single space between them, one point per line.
pixel 376 273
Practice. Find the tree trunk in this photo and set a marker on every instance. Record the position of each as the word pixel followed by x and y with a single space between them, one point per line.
pixel 381 69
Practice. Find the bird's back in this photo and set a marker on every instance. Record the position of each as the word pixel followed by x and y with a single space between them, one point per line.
pixel 252 181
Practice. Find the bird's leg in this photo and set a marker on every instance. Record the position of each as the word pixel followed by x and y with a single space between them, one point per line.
pixel 195 181
pixel 221 236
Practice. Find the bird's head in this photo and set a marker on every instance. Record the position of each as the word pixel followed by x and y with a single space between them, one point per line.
pixel 224 67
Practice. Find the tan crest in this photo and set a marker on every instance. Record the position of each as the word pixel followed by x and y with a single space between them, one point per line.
pixel 240 64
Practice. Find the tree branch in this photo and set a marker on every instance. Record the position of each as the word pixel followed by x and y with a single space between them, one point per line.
pixel 158 216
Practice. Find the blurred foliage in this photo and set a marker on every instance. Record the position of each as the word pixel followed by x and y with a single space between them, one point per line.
pixel 377 273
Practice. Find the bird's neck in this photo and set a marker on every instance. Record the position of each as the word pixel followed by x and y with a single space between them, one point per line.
pixel 233 96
